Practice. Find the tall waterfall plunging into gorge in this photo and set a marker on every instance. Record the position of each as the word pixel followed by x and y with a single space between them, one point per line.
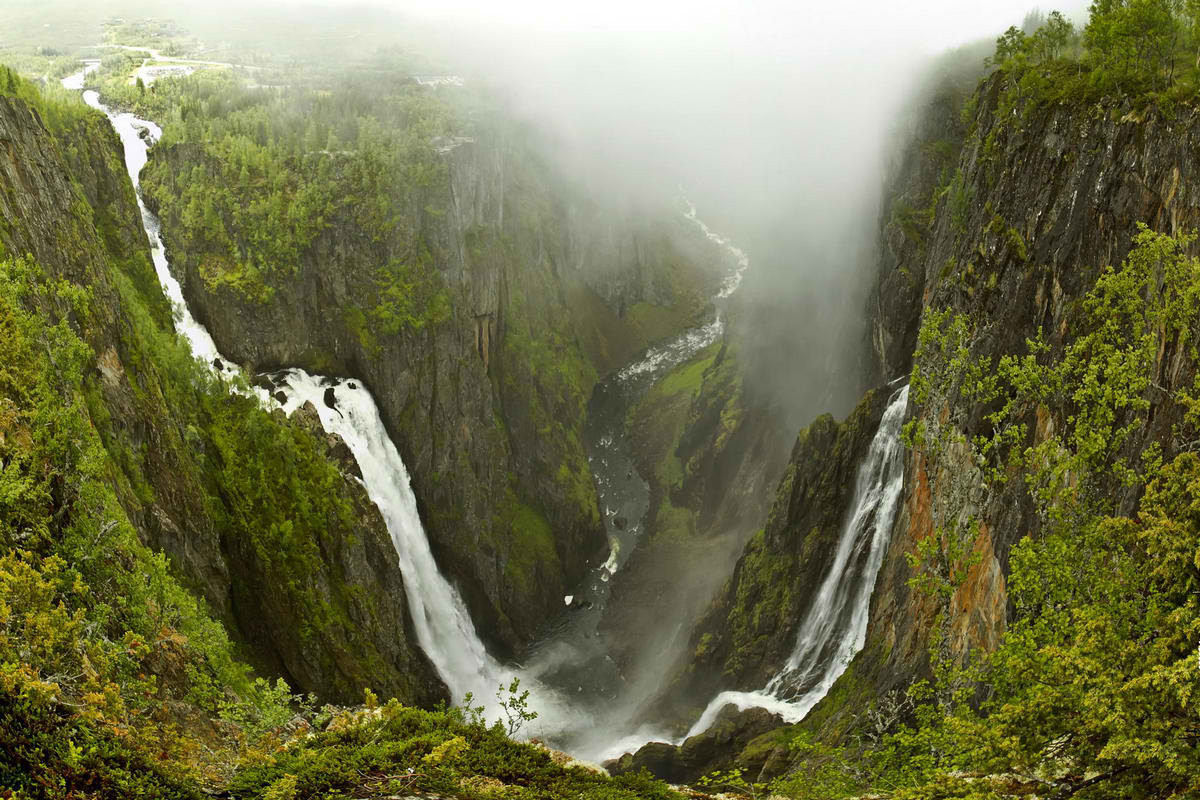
pixel 835 627
pixel 444 628
pixel 589 721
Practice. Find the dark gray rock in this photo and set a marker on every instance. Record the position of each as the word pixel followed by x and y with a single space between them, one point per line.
pixel 709 751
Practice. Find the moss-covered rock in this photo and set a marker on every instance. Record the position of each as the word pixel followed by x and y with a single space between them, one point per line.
pixel 306 578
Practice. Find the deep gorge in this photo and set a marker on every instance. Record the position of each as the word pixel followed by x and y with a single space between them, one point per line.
pixel 545 457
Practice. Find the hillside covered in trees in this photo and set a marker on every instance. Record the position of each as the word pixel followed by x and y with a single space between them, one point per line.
pixel 199 597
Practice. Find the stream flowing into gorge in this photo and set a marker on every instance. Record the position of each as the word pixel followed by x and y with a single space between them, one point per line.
pixel 574 684
pixel 572 654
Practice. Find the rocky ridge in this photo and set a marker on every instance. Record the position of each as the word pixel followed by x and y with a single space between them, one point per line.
pixel 486 407
pixel 68 204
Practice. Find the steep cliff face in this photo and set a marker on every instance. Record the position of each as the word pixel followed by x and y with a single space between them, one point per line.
pixel 67 203
pixel 486 402
pixel 1004 210
pixel 1043 198
pixel 924 165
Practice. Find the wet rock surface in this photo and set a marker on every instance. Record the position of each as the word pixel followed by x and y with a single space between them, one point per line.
pixel 488 439
pixel 716 749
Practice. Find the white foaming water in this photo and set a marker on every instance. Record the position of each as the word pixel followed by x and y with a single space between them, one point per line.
pixel 440 619
pixel 441 80
pixel 75 82
pixel 835 628
pixel 444 628
pixel 741 261
pixel 692 341
pixel 676 351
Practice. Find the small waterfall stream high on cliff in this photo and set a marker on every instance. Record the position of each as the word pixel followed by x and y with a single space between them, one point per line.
pixel 444 628
pixel 835 627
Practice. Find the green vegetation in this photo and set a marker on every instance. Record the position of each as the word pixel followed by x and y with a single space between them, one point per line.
pixel 531 546
pixel 686 419
pixel 391 750
pixel 55 106
pixel 780 567
pixel 546 371
pixel 660 418
pixel 253 178
pixel 1143 49
pixel 95 633
pixel 763 602
pixel 1090 691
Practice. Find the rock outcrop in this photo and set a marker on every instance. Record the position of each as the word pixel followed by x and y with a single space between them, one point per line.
pixel 67 203
pixel 713 750
pixel 486 406
pixel 711 450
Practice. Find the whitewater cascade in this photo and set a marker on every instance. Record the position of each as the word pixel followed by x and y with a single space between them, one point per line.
pixel 835 627
pixel 444 628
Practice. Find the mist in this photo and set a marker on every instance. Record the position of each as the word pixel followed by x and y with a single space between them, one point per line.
pixel 775 120
pixel 778 121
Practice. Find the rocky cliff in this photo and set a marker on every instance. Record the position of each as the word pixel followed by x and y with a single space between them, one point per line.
pixel 1004 209
pixel 545 292
pixel 1043 197
pixel 68 205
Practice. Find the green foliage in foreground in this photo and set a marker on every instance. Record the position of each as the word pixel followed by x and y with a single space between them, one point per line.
pixel 47 750
pixel 100 648
pixel 393 750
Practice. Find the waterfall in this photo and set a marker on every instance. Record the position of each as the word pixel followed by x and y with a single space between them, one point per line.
pixel 444 628
pixel 835 627
pixel 830 635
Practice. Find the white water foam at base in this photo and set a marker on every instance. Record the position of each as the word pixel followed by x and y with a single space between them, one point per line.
pixel 792 693
pixel 444 628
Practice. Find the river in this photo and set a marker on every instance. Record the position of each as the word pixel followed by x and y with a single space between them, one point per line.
pixel 572 680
